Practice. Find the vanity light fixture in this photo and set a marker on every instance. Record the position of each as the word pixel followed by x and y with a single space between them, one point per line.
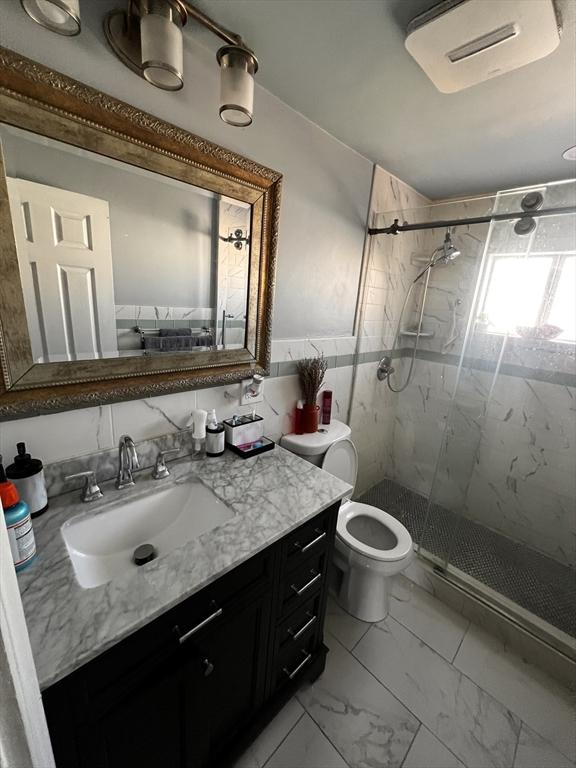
pixel 147 38
pixel 61 16
pixel 162 56
pixel 569 154
pixel 237 69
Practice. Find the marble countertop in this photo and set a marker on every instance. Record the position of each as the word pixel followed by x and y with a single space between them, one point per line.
pixel 270 495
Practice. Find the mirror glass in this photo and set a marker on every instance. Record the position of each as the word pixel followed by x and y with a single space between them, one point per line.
pixel 118 261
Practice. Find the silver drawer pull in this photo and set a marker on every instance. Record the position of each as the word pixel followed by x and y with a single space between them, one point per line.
pixel 293 674
pixel 296 635
pixel 306 586
pixel 218 612
pixel 306 547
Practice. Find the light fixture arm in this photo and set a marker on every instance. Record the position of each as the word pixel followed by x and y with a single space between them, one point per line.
pixel 217 29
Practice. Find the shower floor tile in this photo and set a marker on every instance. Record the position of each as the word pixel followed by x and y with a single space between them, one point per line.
pixel 535 582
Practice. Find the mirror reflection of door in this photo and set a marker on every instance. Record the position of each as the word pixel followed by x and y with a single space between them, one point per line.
pixel 65 259
pixel 119 261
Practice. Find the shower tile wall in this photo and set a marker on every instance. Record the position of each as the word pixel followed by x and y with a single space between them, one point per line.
pixel 389 273
pixel 508 460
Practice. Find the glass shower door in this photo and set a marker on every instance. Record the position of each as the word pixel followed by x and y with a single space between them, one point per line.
pixel 503 500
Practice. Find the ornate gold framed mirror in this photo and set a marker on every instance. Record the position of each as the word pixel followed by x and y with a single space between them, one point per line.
pixel 136 258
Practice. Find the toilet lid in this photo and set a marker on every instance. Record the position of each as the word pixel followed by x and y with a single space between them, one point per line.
pixel 341 460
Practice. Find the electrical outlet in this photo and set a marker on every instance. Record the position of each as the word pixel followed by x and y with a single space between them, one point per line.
pixel 246 387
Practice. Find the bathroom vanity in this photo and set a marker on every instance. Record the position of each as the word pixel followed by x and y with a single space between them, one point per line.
pixel 182 661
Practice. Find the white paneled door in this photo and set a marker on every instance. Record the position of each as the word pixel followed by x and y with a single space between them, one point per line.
pixel 65 258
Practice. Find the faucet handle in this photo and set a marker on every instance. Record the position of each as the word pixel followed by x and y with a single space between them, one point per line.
pixel 160 470
pixel 91 490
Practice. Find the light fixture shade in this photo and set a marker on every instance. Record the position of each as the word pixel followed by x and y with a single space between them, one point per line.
pixel 161 25
pixel 61 16
pixel 237 69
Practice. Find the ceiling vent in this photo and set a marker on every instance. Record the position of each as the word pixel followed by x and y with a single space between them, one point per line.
pixel 459 43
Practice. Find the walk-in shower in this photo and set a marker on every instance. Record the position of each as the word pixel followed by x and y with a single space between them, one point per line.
pixel 472 444
pixel 444 254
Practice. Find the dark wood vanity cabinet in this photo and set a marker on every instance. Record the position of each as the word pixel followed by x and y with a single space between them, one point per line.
pixel 194 687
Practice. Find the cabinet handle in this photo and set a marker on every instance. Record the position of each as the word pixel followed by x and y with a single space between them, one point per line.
pixel 306 586
pixel 208 667
pixel 306 547
pixel 218 612
pixel 296 635
pixel 291 675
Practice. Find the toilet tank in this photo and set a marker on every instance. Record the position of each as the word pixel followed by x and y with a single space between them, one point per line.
pixel 313 446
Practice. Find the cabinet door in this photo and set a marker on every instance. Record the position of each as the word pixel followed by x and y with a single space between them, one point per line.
pixel 231 654
pixel 139 723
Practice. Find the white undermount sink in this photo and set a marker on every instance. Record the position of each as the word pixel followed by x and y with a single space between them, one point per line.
pixel 101 546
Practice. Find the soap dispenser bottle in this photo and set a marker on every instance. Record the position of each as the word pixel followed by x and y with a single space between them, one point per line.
pixel 18 523
pixel 198 423
pixel 214 436
pixel 27 474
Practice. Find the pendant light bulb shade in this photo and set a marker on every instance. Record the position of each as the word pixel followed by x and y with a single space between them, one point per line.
pixel 61 16
pixel 161 25
pixel 237 69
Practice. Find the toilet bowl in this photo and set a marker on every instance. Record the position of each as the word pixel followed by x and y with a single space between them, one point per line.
pixel 371 546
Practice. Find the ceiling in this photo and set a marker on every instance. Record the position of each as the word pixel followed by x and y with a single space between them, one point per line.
pixel 342 63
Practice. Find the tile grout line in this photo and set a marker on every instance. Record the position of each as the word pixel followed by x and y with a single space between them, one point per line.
pixel 399 621
pixel 285 737
pixel 328 739
pixel 459 672
pixel 460 644
pixel 396 698
pixel 368 628
pixel 507 708
pixel 411 712
pixel 420 726
pixel 517 743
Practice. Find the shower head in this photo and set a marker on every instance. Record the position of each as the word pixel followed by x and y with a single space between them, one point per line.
pixel 444 254
pixel 447 251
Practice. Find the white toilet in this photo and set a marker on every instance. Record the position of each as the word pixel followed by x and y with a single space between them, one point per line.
pixel 371 545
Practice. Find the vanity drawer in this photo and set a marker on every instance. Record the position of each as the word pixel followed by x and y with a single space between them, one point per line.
pixel 294 660
pixel 302 583
pixel 300 624
pixel 311 538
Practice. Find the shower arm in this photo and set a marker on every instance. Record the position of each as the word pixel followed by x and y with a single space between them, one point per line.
pixel 395 228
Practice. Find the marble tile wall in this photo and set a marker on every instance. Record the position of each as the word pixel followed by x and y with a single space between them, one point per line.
pixel 388 274
pixel 90 434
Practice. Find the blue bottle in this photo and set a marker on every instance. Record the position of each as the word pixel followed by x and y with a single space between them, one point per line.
pixel 18 523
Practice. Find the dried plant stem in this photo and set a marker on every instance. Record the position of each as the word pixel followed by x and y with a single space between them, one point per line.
pixel 311 371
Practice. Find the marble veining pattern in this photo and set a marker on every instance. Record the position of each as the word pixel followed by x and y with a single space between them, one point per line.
pixel 270 495
pixel 476 727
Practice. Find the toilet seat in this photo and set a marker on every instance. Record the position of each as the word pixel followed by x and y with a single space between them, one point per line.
pixel 341 460
pixel 351 509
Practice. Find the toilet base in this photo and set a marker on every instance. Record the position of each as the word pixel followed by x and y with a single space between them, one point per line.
pixel 365 595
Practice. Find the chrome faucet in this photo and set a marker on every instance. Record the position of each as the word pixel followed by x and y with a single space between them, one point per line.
pixel 127 461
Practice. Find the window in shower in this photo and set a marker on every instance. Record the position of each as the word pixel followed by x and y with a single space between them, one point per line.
pixel 529 292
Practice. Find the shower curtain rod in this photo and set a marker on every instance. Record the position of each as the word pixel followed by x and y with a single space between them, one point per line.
pixel 396 227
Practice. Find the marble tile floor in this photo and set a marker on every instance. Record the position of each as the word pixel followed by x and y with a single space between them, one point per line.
pixel 422 689
pixel 535 582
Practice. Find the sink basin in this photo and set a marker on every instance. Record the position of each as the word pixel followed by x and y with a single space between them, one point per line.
pixel 101 546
